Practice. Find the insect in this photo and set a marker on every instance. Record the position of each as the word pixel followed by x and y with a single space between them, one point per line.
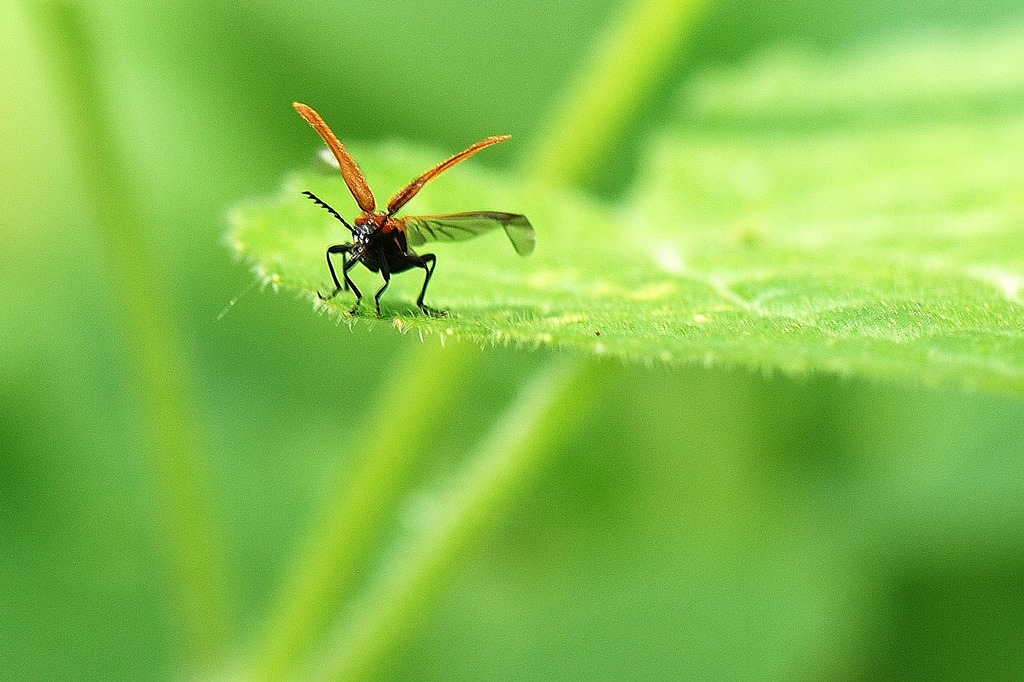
pixel 381 241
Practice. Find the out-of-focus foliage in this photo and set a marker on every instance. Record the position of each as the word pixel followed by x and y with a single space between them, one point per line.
pixel 708 522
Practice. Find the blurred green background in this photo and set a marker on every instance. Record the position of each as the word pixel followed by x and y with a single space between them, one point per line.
pixel 704 523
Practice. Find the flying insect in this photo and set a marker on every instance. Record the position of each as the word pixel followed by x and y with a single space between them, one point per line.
pixel 382 242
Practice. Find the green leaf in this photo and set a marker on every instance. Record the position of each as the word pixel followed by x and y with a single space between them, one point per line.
pixel 491 294
pixel 863 216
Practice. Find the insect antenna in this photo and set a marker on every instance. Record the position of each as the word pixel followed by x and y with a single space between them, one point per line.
pixel 324 205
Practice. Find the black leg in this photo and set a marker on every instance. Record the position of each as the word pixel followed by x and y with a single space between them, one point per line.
pixel 349 284
pixel 428 262
pixel 387 280
pixel 348 280
pixel 343 249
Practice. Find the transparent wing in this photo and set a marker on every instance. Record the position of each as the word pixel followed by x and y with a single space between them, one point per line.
pixel 349 170
pixel 410 190
pixel 456 227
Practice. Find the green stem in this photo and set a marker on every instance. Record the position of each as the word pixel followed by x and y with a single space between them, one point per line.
pixel 152 344
pixel 325 568
pixel 544 415
pixel 629 60
pixel 632 57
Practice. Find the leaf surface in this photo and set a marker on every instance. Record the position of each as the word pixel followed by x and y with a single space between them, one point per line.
pixel 862 216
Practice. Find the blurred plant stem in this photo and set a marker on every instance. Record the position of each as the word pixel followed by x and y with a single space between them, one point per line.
pixel 628 61
pixel 546 413
pixel 152 345
pixel 386 452
pixel 633 55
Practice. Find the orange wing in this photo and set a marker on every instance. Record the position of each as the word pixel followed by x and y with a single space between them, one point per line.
pixel 410 190
pixel 349 170
pixel 455 227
